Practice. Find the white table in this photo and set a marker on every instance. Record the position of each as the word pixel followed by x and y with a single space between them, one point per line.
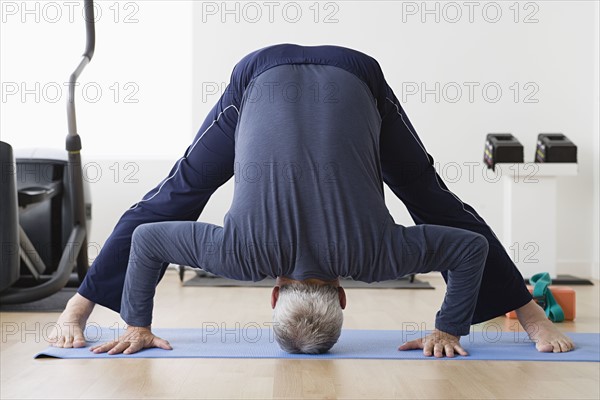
pixel 530 213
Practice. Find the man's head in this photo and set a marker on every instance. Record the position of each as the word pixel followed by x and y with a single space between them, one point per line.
pixel 307 314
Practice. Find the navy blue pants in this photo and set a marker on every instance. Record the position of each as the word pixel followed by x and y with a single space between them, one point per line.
pixel 209 162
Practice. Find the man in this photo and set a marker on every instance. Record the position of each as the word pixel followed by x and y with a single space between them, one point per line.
pixel 310 133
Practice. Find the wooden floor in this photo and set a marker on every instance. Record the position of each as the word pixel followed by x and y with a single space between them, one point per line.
pixel 176 306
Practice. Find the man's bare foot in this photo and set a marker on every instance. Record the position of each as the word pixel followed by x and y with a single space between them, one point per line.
pixel 542 331
pixel 68 330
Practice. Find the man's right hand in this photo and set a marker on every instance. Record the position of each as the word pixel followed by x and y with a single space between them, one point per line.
pixel 437 343
pixel 133 340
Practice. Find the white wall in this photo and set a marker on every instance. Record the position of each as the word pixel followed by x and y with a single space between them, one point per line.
pixel 142 68
pixel 596 150
pixel 177 50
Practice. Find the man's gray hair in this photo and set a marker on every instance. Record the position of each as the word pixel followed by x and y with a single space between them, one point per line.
pixel 307 318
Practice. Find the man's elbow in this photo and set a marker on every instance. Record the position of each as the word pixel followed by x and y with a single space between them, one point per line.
pixel 480 245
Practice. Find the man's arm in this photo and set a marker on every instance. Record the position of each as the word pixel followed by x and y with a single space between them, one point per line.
pixel 427 248
pixel 137 302
pixel 454 317
pixel 184 243
pixel 464 280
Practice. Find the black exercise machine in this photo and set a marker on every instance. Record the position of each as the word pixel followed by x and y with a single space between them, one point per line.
pixel 44 216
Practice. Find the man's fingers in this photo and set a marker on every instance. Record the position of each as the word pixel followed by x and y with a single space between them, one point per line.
pixel 134 347
pixel 119 348
pixel 130 343
pixel 412 345
pixel 436 345
pixel 438 350
pixel 103 348
pixel 449 350
pixel 460 350
pixel 161 343
pixel 428 349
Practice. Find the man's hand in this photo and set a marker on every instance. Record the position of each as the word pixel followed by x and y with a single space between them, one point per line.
pixel 437 343
pixel 133 340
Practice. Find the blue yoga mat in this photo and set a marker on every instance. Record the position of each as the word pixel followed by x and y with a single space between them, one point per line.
pixel 353 344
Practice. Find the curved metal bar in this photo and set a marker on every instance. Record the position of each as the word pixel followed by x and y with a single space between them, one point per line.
pixel 71 118
pixel 90 45
pixel 90 32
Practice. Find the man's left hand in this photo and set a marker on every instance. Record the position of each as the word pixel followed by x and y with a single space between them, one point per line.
pixel 438 344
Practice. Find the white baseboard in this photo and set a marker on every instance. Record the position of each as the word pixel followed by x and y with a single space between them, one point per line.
pixel 596 270
pixel 578 268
